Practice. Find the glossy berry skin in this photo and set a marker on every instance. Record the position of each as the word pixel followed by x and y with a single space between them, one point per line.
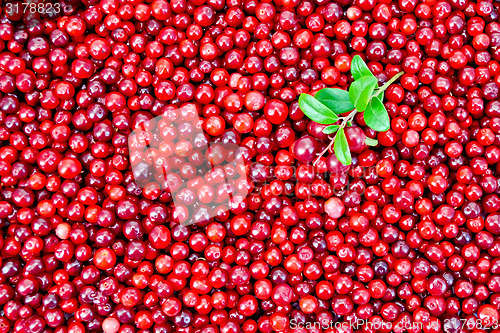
pixel 355 139
pixel 305 149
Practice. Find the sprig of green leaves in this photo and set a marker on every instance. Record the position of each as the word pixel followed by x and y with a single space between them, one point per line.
pixel 364 95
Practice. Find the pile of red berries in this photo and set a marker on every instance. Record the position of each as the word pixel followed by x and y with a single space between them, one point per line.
pixel 410 232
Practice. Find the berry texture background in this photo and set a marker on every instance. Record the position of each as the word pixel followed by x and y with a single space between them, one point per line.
pixel 157 174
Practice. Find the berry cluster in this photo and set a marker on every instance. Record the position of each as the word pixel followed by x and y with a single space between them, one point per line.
pixel 92 238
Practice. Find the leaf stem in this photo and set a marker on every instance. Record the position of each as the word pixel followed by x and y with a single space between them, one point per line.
pixel 387 84
pixel 345 120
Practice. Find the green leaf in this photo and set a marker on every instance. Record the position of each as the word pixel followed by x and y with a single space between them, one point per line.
pixel 316 110
pixel 331 129
pixel 359 68
pixel 341 148
pixel 376 116
pixel 371 142
pixel 361 91
pixel 336 100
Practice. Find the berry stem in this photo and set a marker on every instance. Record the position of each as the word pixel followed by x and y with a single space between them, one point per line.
pixel 387 84
pixel 345 120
